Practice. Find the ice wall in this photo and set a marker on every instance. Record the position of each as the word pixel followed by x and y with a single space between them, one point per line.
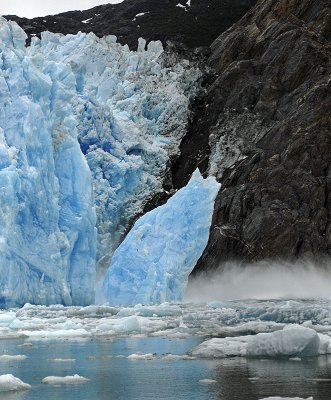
pixel 47 216
pixel 132 113
pixel 63 98
pixel 154 261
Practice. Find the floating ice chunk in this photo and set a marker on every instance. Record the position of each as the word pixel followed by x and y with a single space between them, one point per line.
pixel 10 383
pixel 67 380
pixel 222 348
pixel 175 357
pixel 7 357
pixel 162 310
pixel 7 318
pixel 325 344
pixel 124 325
pixel 141 356
pixel 292 341
pixel 57 334
pixel 155 259
pixel 207 381
pixel 286 398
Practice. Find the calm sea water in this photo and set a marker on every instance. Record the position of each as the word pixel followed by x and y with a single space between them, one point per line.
pixel 113 376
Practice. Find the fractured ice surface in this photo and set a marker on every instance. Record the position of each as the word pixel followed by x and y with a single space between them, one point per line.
pixel 154 261
pixel 47 217
pixel 292 341
pixel 77 111
pixel 131 112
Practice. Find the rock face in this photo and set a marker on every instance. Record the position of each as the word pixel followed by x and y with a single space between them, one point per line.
pixel 193 23
pixel 264 128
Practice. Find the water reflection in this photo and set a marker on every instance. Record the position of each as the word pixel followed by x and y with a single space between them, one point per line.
pixel 113 376
pixel 252 379
pixel 11 395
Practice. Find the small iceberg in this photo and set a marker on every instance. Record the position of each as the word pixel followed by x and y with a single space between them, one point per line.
pixel 9 383
pixel 67 380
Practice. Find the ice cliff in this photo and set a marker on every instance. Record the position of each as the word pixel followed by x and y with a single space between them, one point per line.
pixel 78 112
pixel 154 261
pixel 47 216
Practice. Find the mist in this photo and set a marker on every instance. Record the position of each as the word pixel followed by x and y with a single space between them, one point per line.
pixel 302 280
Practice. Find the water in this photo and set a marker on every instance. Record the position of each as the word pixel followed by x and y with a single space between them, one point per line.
pixel 95 343
pixel 119 378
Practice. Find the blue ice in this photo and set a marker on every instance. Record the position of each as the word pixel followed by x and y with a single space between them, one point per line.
pixel 154 261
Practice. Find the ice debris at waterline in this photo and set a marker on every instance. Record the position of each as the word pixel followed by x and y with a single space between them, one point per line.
pixel 68 121
pixel 154 261
pixel 234 319
pixel 292 341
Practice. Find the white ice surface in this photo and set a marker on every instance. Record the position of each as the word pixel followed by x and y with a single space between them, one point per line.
pixel 10 383
pixel 67 380
pixel 286 398
pixel 292 341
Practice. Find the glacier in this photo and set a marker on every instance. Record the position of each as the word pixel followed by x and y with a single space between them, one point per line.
pixel 154 261
pixel 131 109
pixel 47 215
pixel 87 132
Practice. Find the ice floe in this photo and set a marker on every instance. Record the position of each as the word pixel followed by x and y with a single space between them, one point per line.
pixel 10 383
pixel 67 380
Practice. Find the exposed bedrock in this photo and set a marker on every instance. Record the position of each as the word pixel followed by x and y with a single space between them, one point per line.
pixel 264 129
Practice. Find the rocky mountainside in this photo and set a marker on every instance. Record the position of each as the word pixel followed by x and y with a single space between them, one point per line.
pixel 193 23
pixel 264 128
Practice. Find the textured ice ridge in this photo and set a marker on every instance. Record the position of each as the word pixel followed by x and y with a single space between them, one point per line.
pixel 154 261
pixel 63 98
pixel 131 113
pixel 47 216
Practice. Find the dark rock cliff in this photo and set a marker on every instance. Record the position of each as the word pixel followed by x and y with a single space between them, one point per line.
pixel 197 24
pixel 264 128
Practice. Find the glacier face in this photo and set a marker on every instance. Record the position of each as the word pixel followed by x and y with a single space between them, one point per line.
pixel 78 111
pixel 154 261
pixel 47 216
pixel 131 114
